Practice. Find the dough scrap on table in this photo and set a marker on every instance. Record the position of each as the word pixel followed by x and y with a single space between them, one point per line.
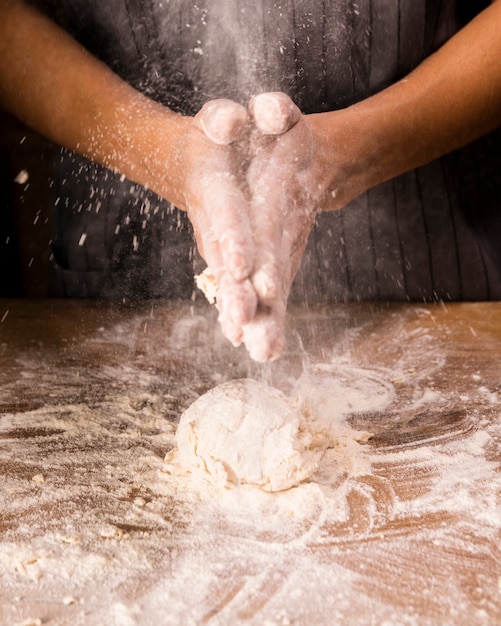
pixel 245 432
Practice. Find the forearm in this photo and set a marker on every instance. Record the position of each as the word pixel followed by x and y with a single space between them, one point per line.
pixel 452 98
pixel 55 86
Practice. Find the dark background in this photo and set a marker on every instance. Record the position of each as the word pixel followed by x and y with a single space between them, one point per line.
pixel 25 231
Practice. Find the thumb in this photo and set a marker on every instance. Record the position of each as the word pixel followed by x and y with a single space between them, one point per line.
pixel 274 113
pixel 223 121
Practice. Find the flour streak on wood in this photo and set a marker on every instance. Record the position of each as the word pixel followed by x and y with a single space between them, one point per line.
pixel 93 532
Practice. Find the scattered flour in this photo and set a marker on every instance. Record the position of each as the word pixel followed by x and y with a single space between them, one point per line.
pixel 93 531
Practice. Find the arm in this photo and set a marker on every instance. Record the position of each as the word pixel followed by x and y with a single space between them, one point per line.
pixel 452 98
pixel 55 86
pixel 325 160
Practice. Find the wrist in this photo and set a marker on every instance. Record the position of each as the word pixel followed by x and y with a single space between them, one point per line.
pixel 347 155
pixel 140 139
pixel 373 141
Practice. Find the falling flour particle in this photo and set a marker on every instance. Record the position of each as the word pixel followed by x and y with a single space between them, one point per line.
pixel 244 432
pixel 22 177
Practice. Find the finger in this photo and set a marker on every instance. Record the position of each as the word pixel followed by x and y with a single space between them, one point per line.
pixel 274 112
pixel 236 299
pixel 222 121
pixel 287 219
pixel 237 304
pixel 228 227
pixel 282 218
pixel 268 211
pixel 282 211
pixel 220 186
pixel 207 244
pixel 264 336
pixel 218 208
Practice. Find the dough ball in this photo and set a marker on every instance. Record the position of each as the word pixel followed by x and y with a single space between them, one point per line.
pixel 244 432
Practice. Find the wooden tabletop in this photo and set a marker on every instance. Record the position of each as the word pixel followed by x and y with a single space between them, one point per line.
pixel 92 531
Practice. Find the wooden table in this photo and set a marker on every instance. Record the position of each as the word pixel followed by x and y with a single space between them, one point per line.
pixel 93 532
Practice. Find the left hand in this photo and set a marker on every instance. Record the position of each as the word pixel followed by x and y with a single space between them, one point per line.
pixel 286 190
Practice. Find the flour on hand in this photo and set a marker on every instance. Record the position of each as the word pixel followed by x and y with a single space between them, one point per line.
pixel 244 432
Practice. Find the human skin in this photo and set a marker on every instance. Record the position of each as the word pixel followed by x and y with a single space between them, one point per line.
pixel 251 195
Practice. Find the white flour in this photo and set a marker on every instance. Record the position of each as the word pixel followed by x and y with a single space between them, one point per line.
pixel 94 532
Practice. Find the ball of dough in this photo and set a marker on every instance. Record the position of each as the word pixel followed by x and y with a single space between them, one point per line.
pixel 244 432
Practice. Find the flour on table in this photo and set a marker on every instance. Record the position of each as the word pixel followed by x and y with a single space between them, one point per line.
pixel 244 432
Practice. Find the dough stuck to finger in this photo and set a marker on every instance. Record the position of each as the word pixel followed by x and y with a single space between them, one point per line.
pixel 207 285
pixel 244 432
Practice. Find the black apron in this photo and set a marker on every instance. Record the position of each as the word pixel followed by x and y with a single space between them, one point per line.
pixel 430 234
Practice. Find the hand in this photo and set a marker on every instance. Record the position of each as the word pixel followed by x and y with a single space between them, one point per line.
pixel 215 156
pixel 254 192
pixel 286 189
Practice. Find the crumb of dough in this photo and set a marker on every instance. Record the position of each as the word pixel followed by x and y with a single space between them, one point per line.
pixel 244 432
pixel 207 284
